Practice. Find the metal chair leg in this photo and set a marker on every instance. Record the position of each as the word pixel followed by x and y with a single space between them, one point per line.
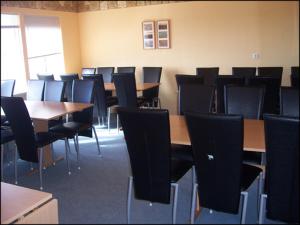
pixel 76 143
pixel 259 190
pixel 194 178
pixel 108 119
pixel 175 185
pixel 16 166
pixel 67 155
pixel 130 180
pixel 262 208
pixel 195 186
pixel 2 154
pixel 53 158
pixel 244 209
pixel 118 122
pixel 41 167
pixel 98 146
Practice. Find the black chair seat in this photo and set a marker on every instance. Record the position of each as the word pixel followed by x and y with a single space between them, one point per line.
pixel 6 135
pixel 179 168
pixel 111 100
pixel 46 138
pixel 69 128
pixel 249 174
pixel 183 152
pixel 52 123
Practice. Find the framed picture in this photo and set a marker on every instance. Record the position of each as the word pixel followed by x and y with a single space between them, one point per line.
pixel 149 35
pixel 163 34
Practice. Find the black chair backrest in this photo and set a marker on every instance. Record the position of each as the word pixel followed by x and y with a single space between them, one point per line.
pixel 244 71
pixel 289 101
pixel 127 69
pixel 270 72
pixel 21 125
pixel 7 87
pixel 295 76
pixel 188 79
pixel 247 101
pixel 151 75
pixel 45 77
pixel 282 167
pixel 106 73
pixel 195 97
pixel 217 145
pixel 35 90
pixel 147 135
pixel 88 71
pixel 209 74
pixel 68 79
pixel 271 99
pixel 125 89
pixel 54 91
pixel 99 92
pixel 222 80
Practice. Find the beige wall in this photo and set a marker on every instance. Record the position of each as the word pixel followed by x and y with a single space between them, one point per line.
pixel 70 33
pixel 223 34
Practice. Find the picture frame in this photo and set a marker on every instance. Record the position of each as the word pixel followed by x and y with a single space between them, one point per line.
pixel 163 34
pixel 148 34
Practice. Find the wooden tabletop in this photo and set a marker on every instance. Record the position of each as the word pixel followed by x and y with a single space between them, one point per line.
pixel 139 86
pixel 254 137
pixel 16 201
pixel 43 110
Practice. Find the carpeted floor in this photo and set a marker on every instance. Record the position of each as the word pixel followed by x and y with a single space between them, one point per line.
pixel 98 192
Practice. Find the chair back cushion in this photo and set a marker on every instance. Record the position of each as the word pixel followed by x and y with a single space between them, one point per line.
pixel 244 71
pixel 209 74
pixel 289 101
pixel 151 75
pixel 106 73
pixel 7 87
pixel 68 79
pixel 54 91
pixel 88 70
pixel 126 69
pixel 188 79
pixel 45 77
pixel 35 90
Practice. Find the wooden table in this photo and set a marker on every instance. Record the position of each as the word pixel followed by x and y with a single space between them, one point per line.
pixel 24 205
pixel 42 111
pixel 254 135
pixel 139 86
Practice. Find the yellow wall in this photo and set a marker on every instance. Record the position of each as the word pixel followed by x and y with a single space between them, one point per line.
pixel 70 33
pixel 223 34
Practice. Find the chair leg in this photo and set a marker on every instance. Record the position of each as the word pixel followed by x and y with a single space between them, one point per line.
pixel 175 185
pixel 41 167
pixel 244 209
pixel 16 165
pixel 259 189
pixel 67 155
pixel 194 175
pixel 53 158
pixel 192 218
pixel 158 101
pixel 96 136
pixel 2 154
pixel 118 122
pixel 76 143
pixel 130 180
pixel 262 208
pixel 108 119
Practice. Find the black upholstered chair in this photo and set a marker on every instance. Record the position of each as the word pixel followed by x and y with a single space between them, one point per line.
pixel 195 97
pixel 45 77
pixel 7 87
pixel 106 73
pixel 82 122
pixel 221 175
pixel 102 102
pixel 188 79
pixel 151 75
pixel 295 76
pixel 88 71
pixel 270 72
pixel 35 90
pixel 281 192
pixel 272 86
pixel 245 100
pixel 223 80
pixel 154 170
pixel 68 79
pixel 29 143
pixel 245 72
pixel 209 74
pixel 126 69
pixel 289 101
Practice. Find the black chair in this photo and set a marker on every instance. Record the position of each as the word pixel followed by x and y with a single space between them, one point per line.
pixel 151 75
pixel 88 71
pixel 246 101
pixel 48 77
pixel 7 88
pixel 154 170
pixel 217 145
pixel 272 86
pixel 223 80
pixel 281 192
pixel 188 79
pixel 68 79
pixel 35 90
pixel 295 76
pixel 270 72
pixel 209 74
pixel 29 143
pixel 289 101
pixel 195 97
pixel 82 122
pixel 103 103
pixel 126 69
pixel 245 72
pixel 106 73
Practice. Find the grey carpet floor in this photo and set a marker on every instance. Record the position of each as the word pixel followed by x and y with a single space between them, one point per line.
pixel 98 192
